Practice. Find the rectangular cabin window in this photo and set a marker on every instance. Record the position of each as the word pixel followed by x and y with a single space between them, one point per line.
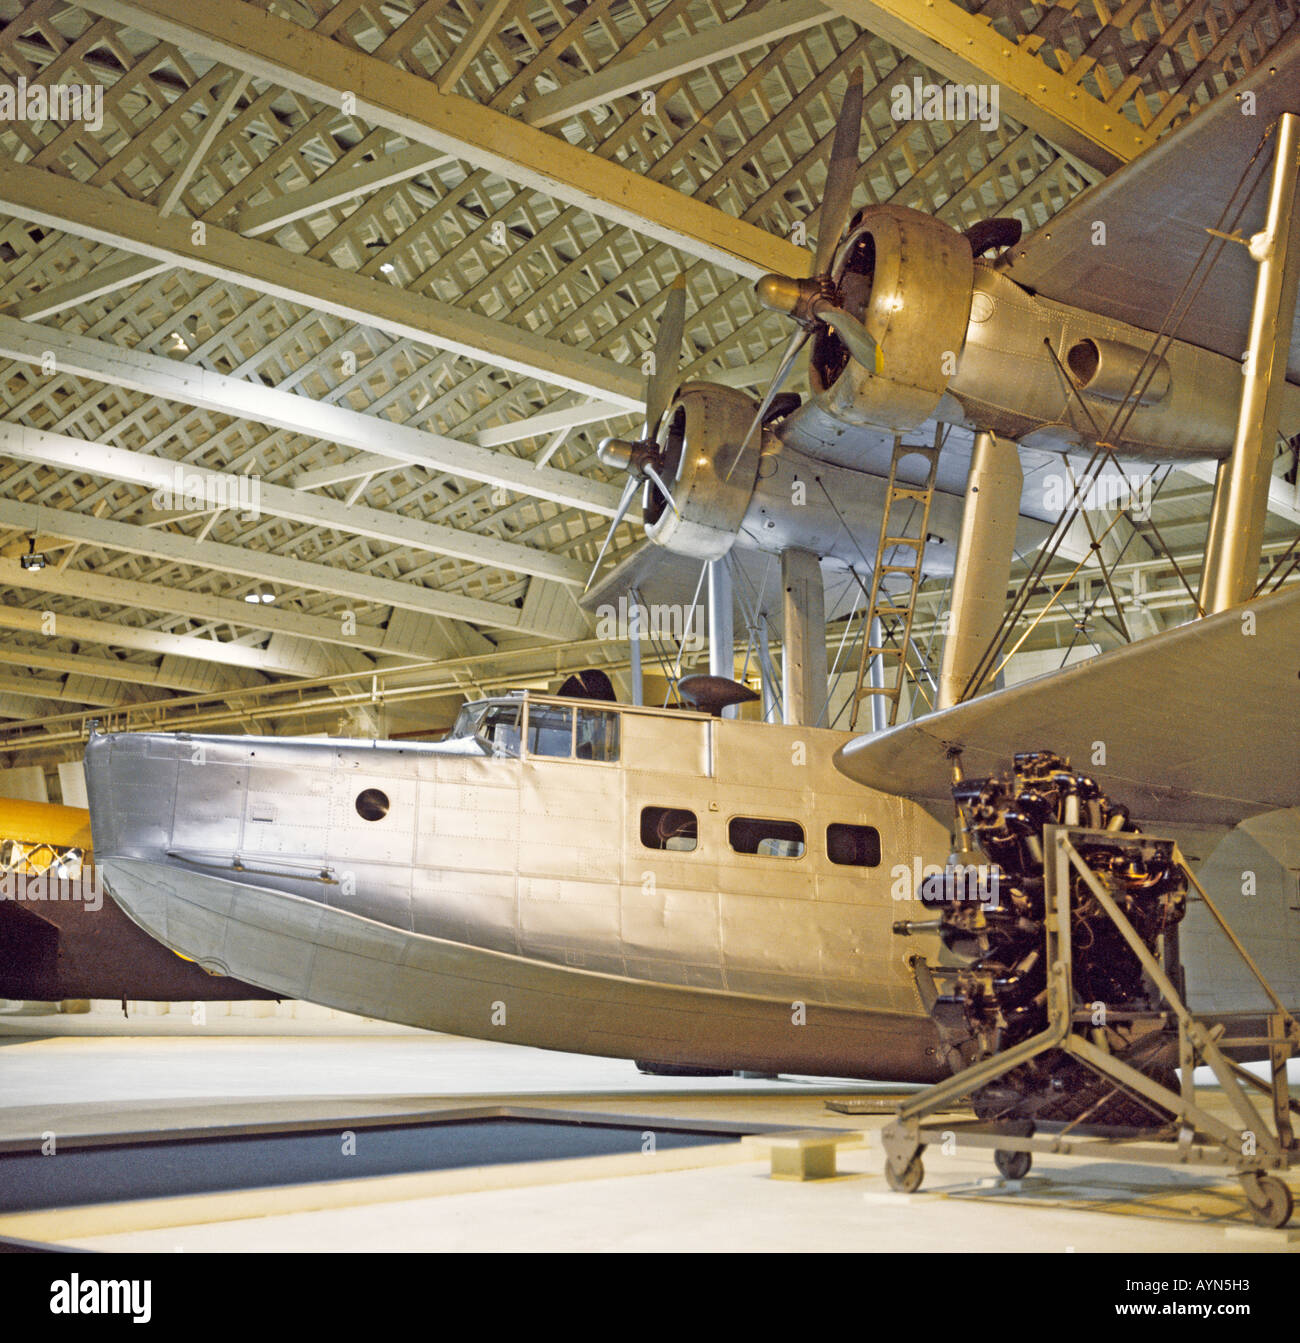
pixel 767 839
pixel 669 828
pixel 598 734
pixel 550 730
pixel 853 845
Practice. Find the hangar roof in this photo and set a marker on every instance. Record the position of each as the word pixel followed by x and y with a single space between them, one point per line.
pixel 398 262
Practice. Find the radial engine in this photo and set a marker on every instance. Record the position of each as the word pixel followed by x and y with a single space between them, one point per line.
pixel 995 995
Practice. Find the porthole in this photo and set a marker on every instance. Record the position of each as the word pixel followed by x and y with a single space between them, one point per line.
pixel 372 805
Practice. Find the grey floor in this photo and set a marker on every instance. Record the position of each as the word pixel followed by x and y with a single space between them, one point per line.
pixel 96 1074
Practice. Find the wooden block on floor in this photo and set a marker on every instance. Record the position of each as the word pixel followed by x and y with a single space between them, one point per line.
pixel 804 1154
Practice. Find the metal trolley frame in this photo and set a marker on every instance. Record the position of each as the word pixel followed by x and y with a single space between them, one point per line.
pixel 1201 1139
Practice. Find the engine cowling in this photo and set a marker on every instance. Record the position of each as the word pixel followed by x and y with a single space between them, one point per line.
pixel 908 277
pixel 706 429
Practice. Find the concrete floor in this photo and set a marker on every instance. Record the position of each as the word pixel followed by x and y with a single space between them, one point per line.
pixel 99 1075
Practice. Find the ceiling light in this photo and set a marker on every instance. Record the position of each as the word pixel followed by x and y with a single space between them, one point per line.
pixel 259 598
pixel 34 559
pixel 377 248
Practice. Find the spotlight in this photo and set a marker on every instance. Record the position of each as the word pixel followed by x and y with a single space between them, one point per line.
pixel 35 559
pixel 380 246
pixel 259 598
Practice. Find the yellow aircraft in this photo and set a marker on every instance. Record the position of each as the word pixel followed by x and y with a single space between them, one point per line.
pixel 43 837
pixel 61 938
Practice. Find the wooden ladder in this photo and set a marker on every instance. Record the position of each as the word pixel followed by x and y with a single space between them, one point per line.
pixel 900 553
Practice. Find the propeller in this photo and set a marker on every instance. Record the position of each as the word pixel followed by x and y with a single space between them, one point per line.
pixel 816 300
pixel 643 459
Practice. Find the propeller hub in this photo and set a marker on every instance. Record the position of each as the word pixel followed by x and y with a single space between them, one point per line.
pixel 798 298
pixel 780 293
pixel 616 453
pixel 620 454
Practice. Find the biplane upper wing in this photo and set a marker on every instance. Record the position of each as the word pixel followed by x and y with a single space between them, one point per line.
pixel 1155 211
pixel 1199 725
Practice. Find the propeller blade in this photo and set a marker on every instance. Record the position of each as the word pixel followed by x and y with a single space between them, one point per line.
pixel 668 350
pixel 782 372
pixel 623 505
pixel 841 176
pixel 857 339
pixel 661 487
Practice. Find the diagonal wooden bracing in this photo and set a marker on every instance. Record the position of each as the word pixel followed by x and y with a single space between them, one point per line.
pixel 56 202
pixel 250 496
pixel 165 377
pixel 536 236
pixel 243 37
pixel 1101 90
pixel 156 596
pixel 956 44
pixel 261 567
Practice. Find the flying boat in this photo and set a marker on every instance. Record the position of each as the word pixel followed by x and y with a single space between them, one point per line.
pixel 692 889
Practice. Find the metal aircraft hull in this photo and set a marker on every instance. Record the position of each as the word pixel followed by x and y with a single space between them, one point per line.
pixel 341 960
pixel 510 899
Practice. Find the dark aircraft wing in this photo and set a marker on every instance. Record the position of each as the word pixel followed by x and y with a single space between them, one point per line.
pixel 79 948
pixel 643 563
pixel 1199 725
pixel 1156 210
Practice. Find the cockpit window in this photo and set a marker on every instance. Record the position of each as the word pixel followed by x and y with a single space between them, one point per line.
pixel 466 721
pixel 550 730
pixel 558 731
pixel 498 729
pixel 494 727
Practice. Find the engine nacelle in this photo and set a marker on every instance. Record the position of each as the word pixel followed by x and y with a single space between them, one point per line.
pixel 908 277
pixel 706 429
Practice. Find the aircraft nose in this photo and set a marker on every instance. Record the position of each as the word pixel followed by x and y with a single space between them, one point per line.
pixel 131 789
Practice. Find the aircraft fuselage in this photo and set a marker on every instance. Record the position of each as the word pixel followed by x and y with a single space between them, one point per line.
pixel 603 879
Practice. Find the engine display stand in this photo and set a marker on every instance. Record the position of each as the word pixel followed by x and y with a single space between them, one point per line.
pixel 1200 1139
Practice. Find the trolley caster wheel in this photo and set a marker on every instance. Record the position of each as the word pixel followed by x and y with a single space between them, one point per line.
pixel 1013 1165
pixel 1278 1202
pixel 910 1180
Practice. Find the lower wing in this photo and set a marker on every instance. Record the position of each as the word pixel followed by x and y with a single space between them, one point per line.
pixel 1198 725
